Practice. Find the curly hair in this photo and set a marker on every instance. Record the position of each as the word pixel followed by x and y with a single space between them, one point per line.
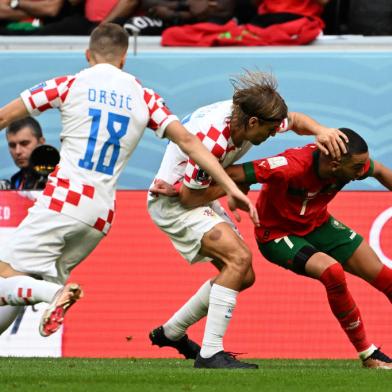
pixel 255 95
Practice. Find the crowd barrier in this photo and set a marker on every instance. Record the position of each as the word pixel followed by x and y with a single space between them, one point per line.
pixel 135 280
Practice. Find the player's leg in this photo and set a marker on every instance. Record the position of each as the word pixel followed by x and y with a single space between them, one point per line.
pixel 186 238
pixel 301 256
pixel 173 332
pixel 19 289
pixel 223 244
pixel 7 316
pixel 79 242
pixel 367 265
pixel 349 248
pixel 32 252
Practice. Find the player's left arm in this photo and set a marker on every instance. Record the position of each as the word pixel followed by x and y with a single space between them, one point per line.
pixel 15 110
pixel 328 140
pixel 382 174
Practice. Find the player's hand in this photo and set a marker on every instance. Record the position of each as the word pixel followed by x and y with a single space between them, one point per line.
pixel 161 187
pixel 330 142
pixel 237 200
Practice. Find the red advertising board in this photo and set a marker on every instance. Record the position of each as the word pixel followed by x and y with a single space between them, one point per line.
pixel 135 280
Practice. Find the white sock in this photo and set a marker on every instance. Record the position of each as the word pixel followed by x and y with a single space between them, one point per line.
pixel 191 312
pixel 220 310
pixel 24 290
pixel 367 353
pixel 7 315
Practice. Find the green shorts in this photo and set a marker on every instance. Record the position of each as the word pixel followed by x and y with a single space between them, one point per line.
pixel 333 238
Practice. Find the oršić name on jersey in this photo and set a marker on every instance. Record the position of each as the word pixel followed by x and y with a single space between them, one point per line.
pixel 110 98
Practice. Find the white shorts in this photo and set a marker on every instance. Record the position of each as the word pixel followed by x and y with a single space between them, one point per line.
pixel 186 227
pixel 49 244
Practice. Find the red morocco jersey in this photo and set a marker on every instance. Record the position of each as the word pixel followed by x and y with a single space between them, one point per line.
pixel 293 199
pixel 104 112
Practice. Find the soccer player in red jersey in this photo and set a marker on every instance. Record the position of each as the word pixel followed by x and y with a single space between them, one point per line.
pixel 298 233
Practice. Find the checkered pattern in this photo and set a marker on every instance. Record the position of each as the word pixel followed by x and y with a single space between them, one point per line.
pixel 83 187
pixel 63 196
pixel 104 225
pixel 47 95
pixel 159 113
pixel 217 141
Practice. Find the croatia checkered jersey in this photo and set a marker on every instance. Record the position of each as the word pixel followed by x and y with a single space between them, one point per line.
pixel 294 198
pixel 212 125
pixel 104 112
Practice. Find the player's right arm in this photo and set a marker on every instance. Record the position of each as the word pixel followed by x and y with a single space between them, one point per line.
pixel 15 110
pixel 382 174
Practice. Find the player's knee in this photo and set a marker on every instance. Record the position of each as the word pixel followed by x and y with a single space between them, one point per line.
pixel 334 278
pixel 240 259
pixel 249 280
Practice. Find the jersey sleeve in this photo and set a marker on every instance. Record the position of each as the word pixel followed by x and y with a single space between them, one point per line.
pixel 284 126
pixel 47 95
pixel 267 170
pixel 217 143
pixel 160 115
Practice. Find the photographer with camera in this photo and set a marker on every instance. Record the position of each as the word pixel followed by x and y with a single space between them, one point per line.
pixel 23 136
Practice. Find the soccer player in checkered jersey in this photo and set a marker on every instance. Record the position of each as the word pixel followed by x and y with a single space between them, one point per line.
pixel 303 236
pixel 104 114
pixel 206 233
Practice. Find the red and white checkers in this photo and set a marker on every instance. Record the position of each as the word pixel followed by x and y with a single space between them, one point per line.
pixel 105 224
pixel 47 95
pixel 160 115
pixel 67 197
pixel 216 141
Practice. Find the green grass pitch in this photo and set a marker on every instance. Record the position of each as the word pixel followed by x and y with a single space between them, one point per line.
pixel 160 375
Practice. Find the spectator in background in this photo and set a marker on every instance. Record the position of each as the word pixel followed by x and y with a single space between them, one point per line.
pixel 61 17
pixel 23 136
pixel 245 10
pixel 370 17
pixel 160 14
pixel 28 17
pixel 280 11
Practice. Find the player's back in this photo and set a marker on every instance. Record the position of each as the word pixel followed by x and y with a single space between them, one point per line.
pixel 103 117
pixel 104 113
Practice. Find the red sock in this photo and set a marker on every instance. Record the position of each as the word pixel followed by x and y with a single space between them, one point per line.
pixel 383 282
pixel 343 306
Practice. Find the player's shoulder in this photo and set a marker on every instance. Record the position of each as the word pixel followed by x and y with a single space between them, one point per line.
pixel 216 109
pixel 300 157
pixel 302 152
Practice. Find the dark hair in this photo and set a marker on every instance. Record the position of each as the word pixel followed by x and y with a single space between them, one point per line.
pixel 255 95
pixel 109 40
pixel 356 144
pixel 30 122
